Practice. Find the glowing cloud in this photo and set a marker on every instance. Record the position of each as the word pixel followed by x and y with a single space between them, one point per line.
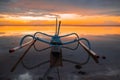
pixel 78 12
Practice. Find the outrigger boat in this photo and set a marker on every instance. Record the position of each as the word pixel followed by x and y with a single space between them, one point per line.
pixel 56 45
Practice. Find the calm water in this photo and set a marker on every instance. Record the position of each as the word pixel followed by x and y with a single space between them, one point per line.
pixel 105 41
pixel 81 30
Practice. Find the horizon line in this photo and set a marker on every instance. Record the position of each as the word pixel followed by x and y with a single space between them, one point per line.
pixel 61 25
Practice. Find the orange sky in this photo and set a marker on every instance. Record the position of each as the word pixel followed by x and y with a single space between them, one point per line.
pixel 77 12
pixel 67 19
pixel 18 14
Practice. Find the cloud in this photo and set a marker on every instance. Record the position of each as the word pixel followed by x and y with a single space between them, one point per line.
pixel 109 22
pixel 37 9
pixel 4 1
pixel 1 16
pixel 82 7
pixel 2 33
pixel 108 73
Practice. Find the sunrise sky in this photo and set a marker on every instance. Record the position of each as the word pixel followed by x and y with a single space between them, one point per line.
pixel 71 12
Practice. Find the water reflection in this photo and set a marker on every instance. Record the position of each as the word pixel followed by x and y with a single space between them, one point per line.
pixel 81 30
pixel 25 76
pixel 106 44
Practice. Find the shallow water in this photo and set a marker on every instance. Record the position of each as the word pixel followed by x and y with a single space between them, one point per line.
pixel 104 44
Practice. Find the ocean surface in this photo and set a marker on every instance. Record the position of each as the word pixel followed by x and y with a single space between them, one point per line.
pixel 105 41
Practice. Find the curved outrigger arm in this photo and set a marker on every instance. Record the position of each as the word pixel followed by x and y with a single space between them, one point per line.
pixel 21 44
pixel 22 56
pixel 27 43
pixel 43 34
pixel 88 49
pixel 34 38
pixel 69 35
pixel 77 38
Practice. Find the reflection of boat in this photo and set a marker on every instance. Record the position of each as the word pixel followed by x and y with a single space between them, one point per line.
pixel 56 46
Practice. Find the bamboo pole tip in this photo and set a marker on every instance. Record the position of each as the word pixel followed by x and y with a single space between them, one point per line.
pixel 11 50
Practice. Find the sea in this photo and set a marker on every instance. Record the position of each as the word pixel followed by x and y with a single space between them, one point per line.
pixel 104 40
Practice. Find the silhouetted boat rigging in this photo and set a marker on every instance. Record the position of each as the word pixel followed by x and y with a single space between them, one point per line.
pixel 56 46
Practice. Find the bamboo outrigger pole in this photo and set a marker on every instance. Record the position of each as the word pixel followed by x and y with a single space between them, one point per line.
pixel 20 59
pixel 21 46
pixel 90 52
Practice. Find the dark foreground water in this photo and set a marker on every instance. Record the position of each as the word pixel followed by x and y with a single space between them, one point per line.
pixel 107 45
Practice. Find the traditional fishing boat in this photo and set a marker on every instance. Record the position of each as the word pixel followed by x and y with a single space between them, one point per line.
pixel 56 45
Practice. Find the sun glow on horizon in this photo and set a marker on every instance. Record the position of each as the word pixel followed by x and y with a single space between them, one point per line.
pixel 23 30
pixel 67 19
pixel 26 24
